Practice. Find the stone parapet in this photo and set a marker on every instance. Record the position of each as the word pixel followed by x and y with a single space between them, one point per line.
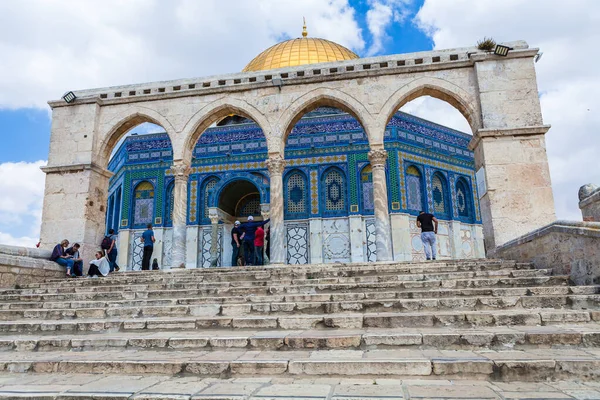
pixel 566 247
pixel 22 265
pixel 350 69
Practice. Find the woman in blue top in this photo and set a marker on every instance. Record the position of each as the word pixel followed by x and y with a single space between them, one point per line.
pixel 61 257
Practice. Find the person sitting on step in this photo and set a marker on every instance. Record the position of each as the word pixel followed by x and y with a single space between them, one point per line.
pixel 60 257
pixel 73 251
pixel 100 266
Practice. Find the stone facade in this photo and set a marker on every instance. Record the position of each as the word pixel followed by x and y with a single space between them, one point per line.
pixel 497 95
pixel 22 265
pixel 328 177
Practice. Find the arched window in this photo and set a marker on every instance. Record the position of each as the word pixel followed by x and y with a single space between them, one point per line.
pixel 249 205
pixel 414 189
pixel 143 204
pixel 366 185
pixel 296 195
pixel 169 202
pixel 463 199
pixel 334 192
pixel 208 186
pixel 439 192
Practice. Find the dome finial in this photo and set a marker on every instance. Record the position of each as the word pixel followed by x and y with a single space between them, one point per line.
pixel 304 32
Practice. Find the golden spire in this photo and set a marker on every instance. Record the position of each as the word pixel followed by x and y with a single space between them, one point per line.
pixel 304 32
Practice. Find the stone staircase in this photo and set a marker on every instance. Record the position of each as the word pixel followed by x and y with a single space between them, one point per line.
pixel 484 319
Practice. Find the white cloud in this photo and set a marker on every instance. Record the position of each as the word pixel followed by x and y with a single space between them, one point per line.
pixel 49 47
pixel 380 15
pixel 567 77
pixel 437 111
pixel 22 188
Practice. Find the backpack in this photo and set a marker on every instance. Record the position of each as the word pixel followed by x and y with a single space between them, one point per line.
pixel 106 242
pixel 155 265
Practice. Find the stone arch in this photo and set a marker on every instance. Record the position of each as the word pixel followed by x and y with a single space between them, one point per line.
pixel 322 97
pixel 224 182
pixel 213 112
pixel 126 120
pixel 440 89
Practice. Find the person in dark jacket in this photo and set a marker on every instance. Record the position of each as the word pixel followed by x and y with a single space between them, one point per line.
pixel 60 257
pixel 111 252
pixel 248 230
pixel 73 251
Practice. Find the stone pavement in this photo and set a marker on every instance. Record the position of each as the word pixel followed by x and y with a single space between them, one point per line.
pixel 468 328
pixel 141 387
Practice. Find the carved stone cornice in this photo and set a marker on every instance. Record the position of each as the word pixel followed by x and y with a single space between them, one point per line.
pixel 275 164
pixel 378 157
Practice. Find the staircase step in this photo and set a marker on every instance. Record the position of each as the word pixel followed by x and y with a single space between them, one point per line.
pixel 529 317
pixel 305 308
pixel 442 338
pixel 81 386
pixel 525 365
pixel 131 293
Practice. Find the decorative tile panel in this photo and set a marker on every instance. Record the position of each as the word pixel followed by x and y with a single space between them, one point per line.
pixel 297 242
pixel 336 240
pixel 137 251
pixel 370 242
pixel 205 242
pixel 167 247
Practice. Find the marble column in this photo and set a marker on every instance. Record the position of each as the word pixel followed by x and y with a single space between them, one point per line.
pixel 383 242
pixel 214 239
pixel 276 164
pixel 265 212
pixel 181 171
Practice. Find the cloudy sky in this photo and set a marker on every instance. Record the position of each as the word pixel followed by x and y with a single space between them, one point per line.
pixel 50 46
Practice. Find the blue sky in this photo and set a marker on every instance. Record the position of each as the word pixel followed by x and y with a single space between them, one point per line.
pixel 111 42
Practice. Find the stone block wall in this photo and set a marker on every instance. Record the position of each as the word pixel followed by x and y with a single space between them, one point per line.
pixel 567 247
pixel 22 265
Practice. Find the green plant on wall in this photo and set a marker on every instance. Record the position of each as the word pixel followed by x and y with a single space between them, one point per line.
pixel 487 44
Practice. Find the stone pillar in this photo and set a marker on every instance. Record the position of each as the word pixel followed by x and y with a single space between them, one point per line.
pixel 191 249
pixel 276 164
pixel 124 249
pixel 214 238
pixel 401 237
pixel 265 212
pixel 315 227
pixel 378 158
pixel 181 171
pixel 74 208
pixel 358 236
pixel 454 228
pixel 513 182
pixel 510 149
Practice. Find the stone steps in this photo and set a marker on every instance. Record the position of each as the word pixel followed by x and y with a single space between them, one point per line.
pixel 472 303
pixel 323 297
pixel 442 338
pixel 86 285
pixel 478 320
pixel 524 365
pixel 295 289
pixel 531 317
pixel 299 271
pixel 56 386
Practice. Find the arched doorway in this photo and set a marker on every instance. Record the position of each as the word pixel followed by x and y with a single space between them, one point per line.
pixel 228 201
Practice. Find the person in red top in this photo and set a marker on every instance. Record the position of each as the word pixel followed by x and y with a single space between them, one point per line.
pixel 259 245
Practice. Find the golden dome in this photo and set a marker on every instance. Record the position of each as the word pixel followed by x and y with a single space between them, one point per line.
pixel 299 51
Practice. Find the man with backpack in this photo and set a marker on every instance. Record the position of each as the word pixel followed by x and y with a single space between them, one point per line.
pixel 147 240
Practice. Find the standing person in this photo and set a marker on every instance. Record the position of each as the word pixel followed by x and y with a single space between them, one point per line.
pixel 148 241
pixel 61 258
pixel 112 252
pixel 429 227
pixel 73 251
pixel 236 238
pixel 248 229
pixel 259 245
pixel 100 266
